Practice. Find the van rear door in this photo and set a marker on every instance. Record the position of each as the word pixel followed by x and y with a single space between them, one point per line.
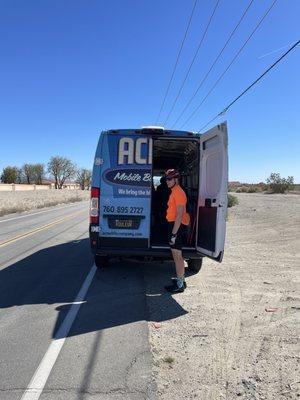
pixel 212 201
pixel 125 190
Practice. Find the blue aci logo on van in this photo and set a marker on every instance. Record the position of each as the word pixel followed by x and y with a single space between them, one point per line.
pixel 129 164
pixel 135 151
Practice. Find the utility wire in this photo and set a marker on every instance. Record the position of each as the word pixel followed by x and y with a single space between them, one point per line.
pixel 230 64
pixel 176 62
pixel 214 63
pixel 192 62
pixel 252 84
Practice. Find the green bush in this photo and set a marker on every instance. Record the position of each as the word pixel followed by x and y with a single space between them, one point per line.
pixel 248 189
pixel 277 184
pixel 262 186
pixel 242 189
pixel 253 189
pixel 232 200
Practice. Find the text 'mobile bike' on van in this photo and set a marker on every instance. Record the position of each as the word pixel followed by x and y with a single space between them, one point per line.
pixel 127 212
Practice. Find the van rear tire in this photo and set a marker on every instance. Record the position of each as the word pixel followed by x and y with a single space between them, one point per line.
pixel 101 261
pixel 195 264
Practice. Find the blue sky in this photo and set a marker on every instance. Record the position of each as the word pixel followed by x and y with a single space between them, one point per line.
pixel 72 68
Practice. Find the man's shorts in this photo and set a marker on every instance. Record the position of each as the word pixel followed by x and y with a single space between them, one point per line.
pixel 181 238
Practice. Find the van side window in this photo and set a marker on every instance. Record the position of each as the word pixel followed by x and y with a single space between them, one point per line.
pixel 213 174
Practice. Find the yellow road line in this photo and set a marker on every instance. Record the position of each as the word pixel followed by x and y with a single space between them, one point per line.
pixel 14 239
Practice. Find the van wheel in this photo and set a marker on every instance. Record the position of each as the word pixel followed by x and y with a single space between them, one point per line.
pixel 195 264
pixel 101 261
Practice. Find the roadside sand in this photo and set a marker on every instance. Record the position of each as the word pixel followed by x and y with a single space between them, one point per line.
pixel 234 333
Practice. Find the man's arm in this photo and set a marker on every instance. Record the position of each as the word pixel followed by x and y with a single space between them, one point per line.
pixel 179 214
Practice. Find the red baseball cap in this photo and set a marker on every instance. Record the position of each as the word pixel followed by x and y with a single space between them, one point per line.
pixel 172 173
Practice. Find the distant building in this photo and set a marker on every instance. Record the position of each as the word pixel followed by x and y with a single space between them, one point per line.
pixel 67 185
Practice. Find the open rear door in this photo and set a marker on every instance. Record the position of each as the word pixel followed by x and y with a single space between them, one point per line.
pixel 212 203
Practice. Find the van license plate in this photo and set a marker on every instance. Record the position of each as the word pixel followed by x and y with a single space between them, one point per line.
pixel 124 223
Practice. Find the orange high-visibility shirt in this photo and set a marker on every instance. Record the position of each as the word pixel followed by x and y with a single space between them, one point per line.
pixel 177 198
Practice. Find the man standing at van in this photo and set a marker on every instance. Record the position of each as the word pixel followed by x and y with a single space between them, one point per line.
pixel 178 220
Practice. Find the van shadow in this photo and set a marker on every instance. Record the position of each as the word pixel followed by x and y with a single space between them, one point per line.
pixel 124 293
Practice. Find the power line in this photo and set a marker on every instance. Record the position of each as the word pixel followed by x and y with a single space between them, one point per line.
pixel 177 60
pixel 230 64
pixel 214 63
pixel 192 62
pixel 250 86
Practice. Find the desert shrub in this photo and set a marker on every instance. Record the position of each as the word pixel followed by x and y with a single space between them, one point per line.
pixel 242 189
pixel 249 189
pixel 232 200
pixel 262 186
pixel 232 186
pixel 253 189
pixel 277 184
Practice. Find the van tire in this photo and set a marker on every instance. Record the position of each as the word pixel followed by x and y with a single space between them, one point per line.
pixel 195 264
pixel 101 261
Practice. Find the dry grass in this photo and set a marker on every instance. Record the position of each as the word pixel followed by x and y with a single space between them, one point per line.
pixel 12 202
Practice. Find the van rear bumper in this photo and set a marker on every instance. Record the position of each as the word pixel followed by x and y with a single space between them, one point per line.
pixel 151 252
pixel 135 248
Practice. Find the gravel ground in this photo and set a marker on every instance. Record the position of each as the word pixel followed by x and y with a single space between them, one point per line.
pixel 234 333
pixel 11 202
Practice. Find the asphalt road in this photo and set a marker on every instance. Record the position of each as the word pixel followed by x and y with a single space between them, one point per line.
pixel 67 330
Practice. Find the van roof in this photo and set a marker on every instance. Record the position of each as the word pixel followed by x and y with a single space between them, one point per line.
pixel 155 131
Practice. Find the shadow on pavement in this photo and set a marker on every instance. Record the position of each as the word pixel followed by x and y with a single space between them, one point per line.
pixel 117 296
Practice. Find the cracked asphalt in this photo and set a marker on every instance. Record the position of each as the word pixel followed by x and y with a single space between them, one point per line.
pixel 106 354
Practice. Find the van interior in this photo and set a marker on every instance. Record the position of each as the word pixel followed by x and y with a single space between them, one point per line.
pixel 183 155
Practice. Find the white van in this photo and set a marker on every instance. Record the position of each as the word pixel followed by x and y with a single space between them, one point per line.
pixel 127 213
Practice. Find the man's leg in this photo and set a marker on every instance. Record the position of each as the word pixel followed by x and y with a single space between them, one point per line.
pixel 179 262
pixel 178 284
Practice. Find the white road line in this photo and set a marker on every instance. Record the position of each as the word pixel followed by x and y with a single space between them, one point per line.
pixel 41 375
pixel 39 212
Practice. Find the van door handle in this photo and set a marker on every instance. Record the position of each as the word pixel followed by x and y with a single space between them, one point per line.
pixel 208 203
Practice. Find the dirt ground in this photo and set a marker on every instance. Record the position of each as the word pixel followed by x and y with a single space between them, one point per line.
pixel 234 333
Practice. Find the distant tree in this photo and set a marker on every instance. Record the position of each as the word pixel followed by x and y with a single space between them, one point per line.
pixel 280 185
pixel 20 177
pixel 10 174
pixel 84 178
pixel 28 172
pixel 38 173
pixel 61 169
pixel 32 173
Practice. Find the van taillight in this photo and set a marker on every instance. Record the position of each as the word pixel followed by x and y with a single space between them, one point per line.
pixel 94 207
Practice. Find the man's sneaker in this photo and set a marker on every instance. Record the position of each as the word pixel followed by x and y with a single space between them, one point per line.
pixel 174 280
pixel 174 288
